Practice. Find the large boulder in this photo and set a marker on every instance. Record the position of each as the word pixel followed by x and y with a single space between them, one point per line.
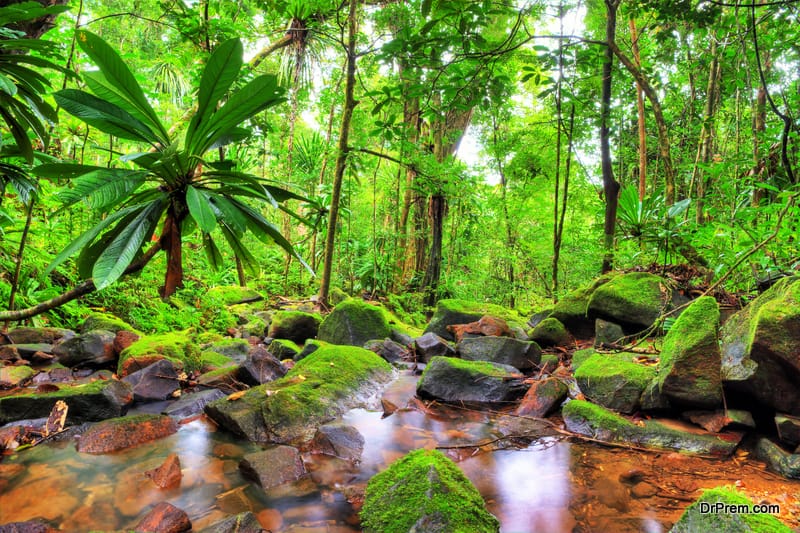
pixel 424 491
pixel 633 300
pixel 105 322
pixel 723 509
pixel 550 332
pixel 176 346
pixel 354 322
pixel 585 418
pixel 453 312
pixel 759 348
pixel 689 369
pixel 571 309
pixel 614 381
pixel 233 295
pixel 296 326
pixel 454 380
pixel 86 403
pixel 155 382
pixel 522 355
pixel 320 387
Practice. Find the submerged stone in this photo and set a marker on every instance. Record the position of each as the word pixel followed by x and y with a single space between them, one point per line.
pixel 245 522
pixel 125 432
pixel 522 355
pixel 274 466
pixel 613 382
pixel 454 380
pixel 164 518
pixel 354 322
pixel 424 491
pixel 726 509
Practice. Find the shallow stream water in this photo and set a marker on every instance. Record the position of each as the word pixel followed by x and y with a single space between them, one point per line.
pixel 531 483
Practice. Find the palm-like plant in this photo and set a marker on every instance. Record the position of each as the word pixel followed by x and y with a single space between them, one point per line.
pixel 172 181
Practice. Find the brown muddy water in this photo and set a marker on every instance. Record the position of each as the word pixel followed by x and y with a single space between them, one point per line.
pixel 532 483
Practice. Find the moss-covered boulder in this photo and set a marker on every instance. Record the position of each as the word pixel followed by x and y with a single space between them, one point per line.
pixel 571 309
pixel 106 322
pixel 777 459
pixel 14 376
pixel 759 348
pixel 284 349
pixel 86 403
pixel 320 387
pixel 354 322
pixel 543 398
pixel 212 361
pixel 689 369
pixel 176 346
pixel 424 491
pixel 233 294
pixel 550 332
pixel 454 380
pixel 586 418
pixel 236 349
pixel 522 355
pixel 613 382
pixel 453 312
pixel 726 509
pixel 296 326
pixel 633 300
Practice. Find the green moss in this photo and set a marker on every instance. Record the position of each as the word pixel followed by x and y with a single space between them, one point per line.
pixel 598 417
pixel 337 296
pixel 107 322
pixel 177 346
pixel 212 360
pixel 66 390
pixel 694 519
pixel 424 490
pixel 549 332
pixel 208 337
pixel 232 295
pixel 573 305
pixel 475 368
pixel 637 298
pixel 15 375
pixel 284 319
pixel 614 382
pixel 318 388
pixel 601 365
pixel 230 347
pixel 354 322
pixel 284 348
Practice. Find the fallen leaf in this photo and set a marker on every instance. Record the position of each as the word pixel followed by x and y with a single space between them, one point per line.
pixel 236 395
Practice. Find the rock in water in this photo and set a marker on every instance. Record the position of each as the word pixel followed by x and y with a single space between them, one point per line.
pixel 725 509
pixel 274 466
pixel 241 523
pixel 167 475
pixel 124 432
pixel 164 518
pixel 424 491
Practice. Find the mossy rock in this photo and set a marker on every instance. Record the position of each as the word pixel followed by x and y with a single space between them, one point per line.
pixel 232 295
pixel 296 326
pixel 354 322
pixel 726 509
pixel 424 491
pixel 337 296
pixel 177 347
pixel 689 370
pixel 450 312
pixel 210 360
pixel 322 386
pixel 254 327
pixel 571 309
pixel 450 379
pixel 236 349
pixel 586 418
pixel 89 402
pixel 633 300
pixel 777 459
pixel 284 349
pixel 759 348
pixel 613 383
pixel 14 376
pixel 550 332
pixel 581 356
pixel 106 322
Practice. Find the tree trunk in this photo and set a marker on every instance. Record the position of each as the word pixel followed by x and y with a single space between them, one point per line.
pixel 171 243
pixel 438 210
pixel 610 185
pixel 705 146
pixel 640 114
pixel 341 158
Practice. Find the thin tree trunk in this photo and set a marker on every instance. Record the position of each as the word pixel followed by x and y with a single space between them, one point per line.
pixel 20 252
pixel 707 132
pixel 610 185
pixel 341 158
pixel 640 114
pixel 171 242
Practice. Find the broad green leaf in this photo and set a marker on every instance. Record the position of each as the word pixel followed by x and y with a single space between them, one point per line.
pixel 227 212
pixel 57 171
pixel 7 86
pixel 118 75
pixel 213 254
pixel 103 188
pixel 240 250
pixel 18 131
pixel 123 248
pixel 200 209
pixel 104 116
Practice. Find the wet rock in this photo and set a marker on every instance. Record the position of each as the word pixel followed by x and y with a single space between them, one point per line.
pixel 36 336
pixel 759 348
pixel 284 349
pixel 176 346
pixel 543 398
pixel 571 309
pixel 155 382
pixel 29 351
pixel 389 350
pixel 633 300
pixel 260 367
pixel 489 326
pixel 225 379
pixel 453 312
pixel 777 459
pixel 168 475
pixel 715 421
pixel 719 509
pixel 164 518
pixel 31 526
pixel 340 440
pixel 190 404
pixel 245 522
pixel 274 466
pixel 416 493
pixel 431 345
pixel 87 403
pixel 14 376
pixel 125 432
pixel 607 333
pixel 689 370
pixel 599 423
pixel 652 399
pixel 236 349
pixel 613 382
pixel 93 349
pixel 454 380
pixel 296 326
pixel 550 332
pixel 522 355
pixel 353 323
pixel 788 428
pixel 316 390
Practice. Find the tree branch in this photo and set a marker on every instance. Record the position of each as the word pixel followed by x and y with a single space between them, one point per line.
pixel 283 42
